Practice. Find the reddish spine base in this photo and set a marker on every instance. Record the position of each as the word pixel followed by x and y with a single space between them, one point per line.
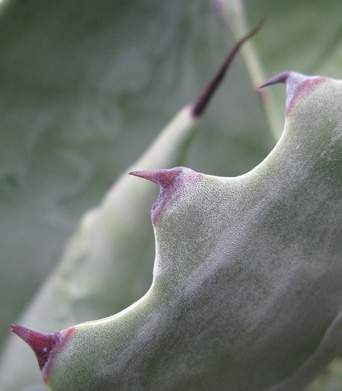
pixel 171 182
pixel 45 346
pixel 302 89
pixel 301 85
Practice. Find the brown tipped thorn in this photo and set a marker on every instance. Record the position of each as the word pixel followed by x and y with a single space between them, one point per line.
pixel 202 102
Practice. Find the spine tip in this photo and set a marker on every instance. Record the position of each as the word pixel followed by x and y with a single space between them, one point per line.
pixel 297 85
pixel 171 183
pixel 42 344
pixel 200 105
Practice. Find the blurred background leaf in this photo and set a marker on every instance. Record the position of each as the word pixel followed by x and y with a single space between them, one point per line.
pixel 86 86
pixel 85 89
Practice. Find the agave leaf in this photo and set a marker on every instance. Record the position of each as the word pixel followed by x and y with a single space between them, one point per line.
pixel 82 97
pixel 78 105
pixel 92 278
pixel 100 271
pixel 246 290
pixel 42 213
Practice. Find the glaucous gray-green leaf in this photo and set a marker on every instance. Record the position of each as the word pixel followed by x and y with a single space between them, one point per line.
pixel 91 280
pixel 103 256
pixel 80 103
pixel 74 115
pixel 84 90
pixel 312 50
pixel 246 291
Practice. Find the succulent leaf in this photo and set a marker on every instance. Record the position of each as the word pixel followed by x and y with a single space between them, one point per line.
pixel 246 291
pixel 81 110
pixel 99 243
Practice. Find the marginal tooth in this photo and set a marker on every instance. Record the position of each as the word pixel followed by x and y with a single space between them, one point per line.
pixel 297 85
pixel 170 181
pixel 40 343
pixel 165 178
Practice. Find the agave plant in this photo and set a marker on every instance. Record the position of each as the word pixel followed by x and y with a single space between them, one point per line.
pixel 246 289
pixel 246 283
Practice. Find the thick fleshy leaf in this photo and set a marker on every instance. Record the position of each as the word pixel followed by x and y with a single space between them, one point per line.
pixel 84 91
pixel 100 259
pixel 246 291
pixel 91 280
pixel 78 105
